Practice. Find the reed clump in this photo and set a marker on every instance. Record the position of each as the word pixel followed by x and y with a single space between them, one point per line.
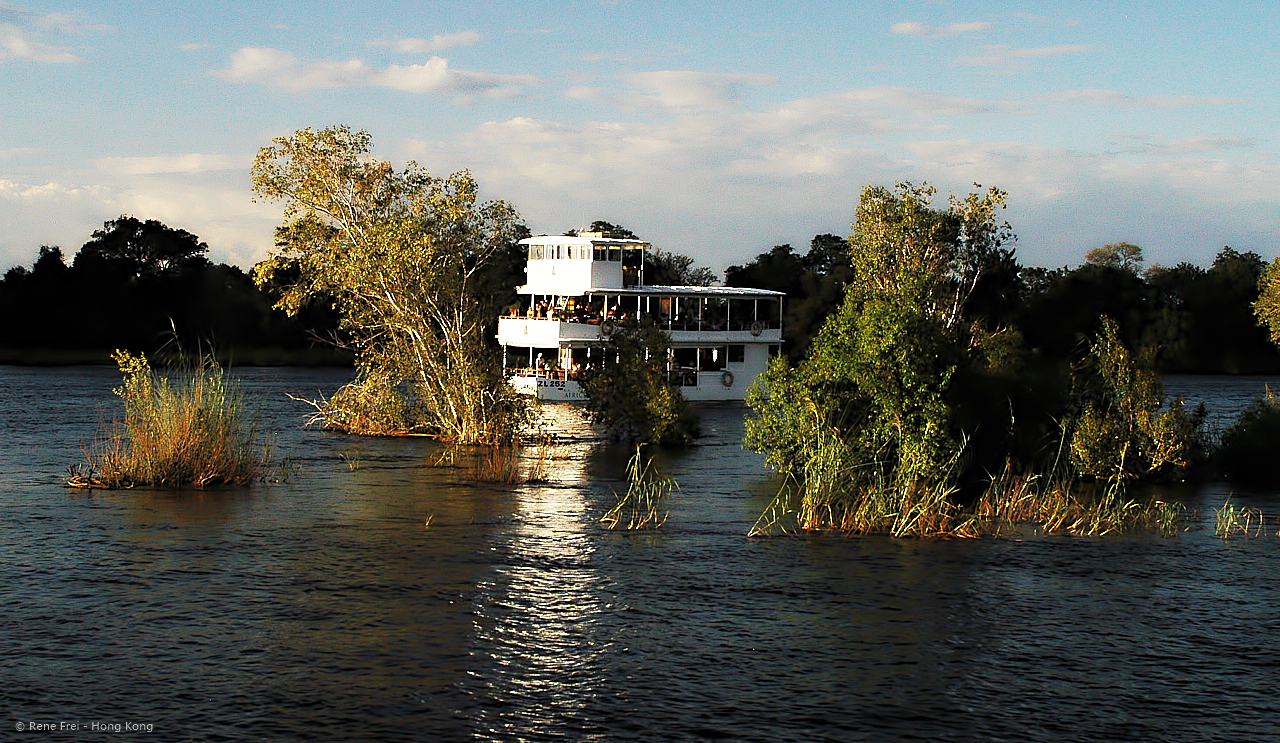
pixel 835 496
pixel 185 429
pixel 524 461
pixel 1242 521
pixel 641 506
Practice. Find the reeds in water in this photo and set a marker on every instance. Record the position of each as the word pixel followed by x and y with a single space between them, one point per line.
pixel 841 499
pixel 1244 521
pixel 641 506
pixel 520 462
pixel 185 430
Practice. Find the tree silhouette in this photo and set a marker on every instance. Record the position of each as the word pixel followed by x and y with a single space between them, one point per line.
pixel 135 248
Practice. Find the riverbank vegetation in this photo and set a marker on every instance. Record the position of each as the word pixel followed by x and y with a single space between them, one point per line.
pixel 409 261
pixel 185 428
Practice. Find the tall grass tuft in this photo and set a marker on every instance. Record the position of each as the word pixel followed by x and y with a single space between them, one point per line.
pixel 524 461
pixel 188 430
pixel 641 506
pixel 1244 521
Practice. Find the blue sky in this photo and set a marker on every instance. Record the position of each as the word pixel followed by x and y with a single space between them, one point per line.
pixel 715 130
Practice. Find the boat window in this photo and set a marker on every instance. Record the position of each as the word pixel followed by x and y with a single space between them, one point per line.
pixel 600 253
pixel 712 359
pixel 535 252
pixel 737 354
pixel 615 253
pixel 741 314
pixel 714 310
pixel 770 313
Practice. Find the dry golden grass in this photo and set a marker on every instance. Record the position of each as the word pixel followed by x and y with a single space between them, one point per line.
pixel 186 431
pixel 927 510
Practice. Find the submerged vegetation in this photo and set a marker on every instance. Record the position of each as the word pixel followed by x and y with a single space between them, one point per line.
pixel 641 506
pixel 1248 445
pixel 885 426
pixel 630 394
pixel 187 428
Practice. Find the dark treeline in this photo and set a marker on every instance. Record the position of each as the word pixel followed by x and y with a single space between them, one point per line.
pixel 133 283
pixel 1200 320
pixel 131 286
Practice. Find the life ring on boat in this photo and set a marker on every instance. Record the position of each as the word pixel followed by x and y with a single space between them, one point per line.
pixel 757 327
pixel 608 327
pixel 727 379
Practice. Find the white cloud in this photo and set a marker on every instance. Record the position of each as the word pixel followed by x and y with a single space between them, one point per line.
pixel 723 182
pixel 436 43
pixel 281 69
pixel 681 89
pixel 14 152
pixel 215 205
pixel 1096 97
pixel 913 28
pixel 151 165
pixel 1004 58
pixel 1196 145
pixel 17 43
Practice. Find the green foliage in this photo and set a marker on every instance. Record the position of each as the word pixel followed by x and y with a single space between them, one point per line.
pixel 1247 447
pixel 1123 256
pixel 1121 428
pixel 641 506
pixel 186 431
pixel 402 255
pixel 629 393
pixel 1202 321
pixel 1267 305
pixel 137 284
pixel 864 422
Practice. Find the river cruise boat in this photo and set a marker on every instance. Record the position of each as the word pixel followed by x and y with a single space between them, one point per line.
pixel 580 287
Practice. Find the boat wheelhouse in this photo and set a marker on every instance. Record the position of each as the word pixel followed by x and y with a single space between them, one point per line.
pixel 581 286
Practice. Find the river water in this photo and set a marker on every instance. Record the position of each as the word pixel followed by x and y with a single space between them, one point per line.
pixel 328 608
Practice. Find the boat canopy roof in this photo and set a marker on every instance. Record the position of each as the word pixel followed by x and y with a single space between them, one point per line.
pixel 585 238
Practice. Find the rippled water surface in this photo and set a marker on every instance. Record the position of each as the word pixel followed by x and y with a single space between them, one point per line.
pixel 326 608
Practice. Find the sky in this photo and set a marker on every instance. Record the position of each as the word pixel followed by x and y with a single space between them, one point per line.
pixel 716 130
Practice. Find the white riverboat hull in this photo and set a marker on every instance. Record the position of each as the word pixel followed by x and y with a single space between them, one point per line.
pixel 711 386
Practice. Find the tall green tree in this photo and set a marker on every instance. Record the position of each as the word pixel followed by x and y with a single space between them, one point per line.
pixel 399 253
pixel 872 394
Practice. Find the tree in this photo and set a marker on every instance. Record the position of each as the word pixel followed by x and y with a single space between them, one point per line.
pixel 608 229
pixel 398 252
pixel 827 252
pixel 1122 255
pixel 1122 428
pixel 630 394
pixel 1267 306
pixel 869 402
pixel 136 248
pixel 672 269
